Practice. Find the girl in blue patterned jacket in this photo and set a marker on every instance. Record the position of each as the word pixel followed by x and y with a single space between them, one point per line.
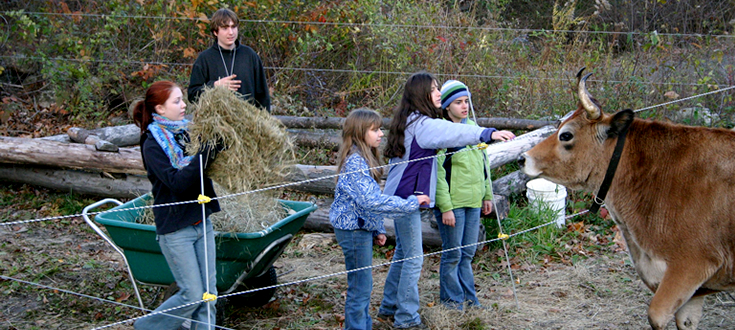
pixel 359 207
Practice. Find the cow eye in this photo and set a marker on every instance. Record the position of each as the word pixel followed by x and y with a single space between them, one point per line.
pixel 566 136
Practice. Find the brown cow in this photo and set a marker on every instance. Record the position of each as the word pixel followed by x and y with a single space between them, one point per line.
pixel 672 196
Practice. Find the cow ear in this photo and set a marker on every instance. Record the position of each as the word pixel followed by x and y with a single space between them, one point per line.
pixel 620 121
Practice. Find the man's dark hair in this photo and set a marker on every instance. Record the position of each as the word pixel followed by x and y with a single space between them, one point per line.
pixel 222 18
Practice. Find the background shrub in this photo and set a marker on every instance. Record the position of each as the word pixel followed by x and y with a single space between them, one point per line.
pixel 326 57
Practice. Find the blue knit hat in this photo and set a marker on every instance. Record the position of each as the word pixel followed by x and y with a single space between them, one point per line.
pixel 451 90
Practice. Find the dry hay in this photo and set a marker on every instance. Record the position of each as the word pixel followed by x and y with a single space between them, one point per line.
pixel 257 213
pixel 257 150
pixel 247 213
pixel 258 146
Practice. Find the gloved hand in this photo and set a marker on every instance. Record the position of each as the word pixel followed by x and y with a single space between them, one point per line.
pixel 209 153
pixel 220 146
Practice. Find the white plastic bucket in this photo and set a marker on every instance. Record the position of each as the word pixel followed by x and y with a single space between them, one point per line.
pixel 543 193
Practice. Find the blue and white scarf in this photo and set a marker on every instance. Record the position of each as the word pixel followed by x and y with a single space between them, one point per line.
pixel 171 135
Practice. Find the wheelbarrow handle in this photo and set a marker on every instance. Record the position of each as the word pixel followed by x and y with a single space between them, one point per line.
pixel 85 215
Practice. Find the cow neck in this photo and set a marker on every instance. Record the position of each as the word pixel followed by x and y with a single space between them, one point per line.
pixel 611 168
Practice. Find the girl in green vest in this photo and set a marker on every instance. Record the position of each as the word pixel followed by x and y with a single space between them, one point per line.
pixel 463 190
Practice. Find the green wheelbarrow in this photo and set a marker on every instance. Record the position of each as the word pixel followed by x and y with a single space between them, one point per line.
pixel 244 260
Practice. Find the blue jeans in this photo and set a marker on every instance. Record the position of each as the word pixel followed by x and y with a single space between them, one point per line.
pixel 357 246
pixel 456 281
pixel 401 292
pixel 184 252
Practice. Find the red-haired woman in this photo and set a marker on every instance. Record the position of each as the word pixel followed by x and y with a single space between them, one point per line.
pixel 174 176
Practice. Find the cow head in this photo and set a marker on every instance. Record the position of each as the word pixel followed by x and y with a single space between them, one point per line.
pixel 577 155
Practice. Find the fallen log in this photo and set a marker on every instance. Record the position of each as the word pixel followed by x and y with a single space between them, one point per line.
pixel 122 136
pixel 299 173
pixel 69 155
pixel 513 183
pixel 129 135
pixel 514 124
pixel 60 155
pixel 82 182
pixel 319 221
pixel 501 153
pixel 328 139
pixel 122 185
pixel 127 160
pixel 337 122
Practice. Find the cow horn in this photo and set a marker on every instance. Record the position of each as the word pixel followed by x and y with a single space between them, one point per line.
pixel 593 111
pixel 579 74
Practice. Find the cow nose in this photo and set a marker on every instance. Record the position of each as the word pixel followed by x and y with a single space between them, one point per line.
pixel 521 160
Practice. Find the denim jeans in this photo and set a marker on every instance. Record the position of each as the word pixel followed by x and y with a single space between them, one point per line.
pixel 357 246
pixel 456 281
pixel 401 291
pixel 184 252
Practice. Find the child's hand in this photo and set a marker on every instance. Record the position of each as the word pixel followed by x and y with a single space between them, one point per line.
pixel 424 200
pixel 448 218
pixel 380 239
pixel 503 135
pixel 487 207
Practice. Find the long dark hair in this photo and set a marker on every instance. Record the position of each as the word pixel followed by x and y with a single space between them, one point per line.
pixel 143 110
pixel 357 124
pixel 416 98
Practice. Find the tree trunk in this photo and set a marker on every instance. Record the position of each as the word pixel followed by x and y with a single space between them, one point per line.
pixel 501 153
pixel 305 172
pixel 129 135
pixel 127 160
pixel 513 124
pixel 90 183
pixel 319 221
pixel 121 136
pixel 69 155
pixel 337 122
pixel 512 183
pixel 329 139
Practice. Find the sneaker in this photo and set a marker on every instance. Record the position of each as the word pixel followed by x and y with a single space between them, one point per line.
pixel 419 326
pixel 387 317
pixel 478 306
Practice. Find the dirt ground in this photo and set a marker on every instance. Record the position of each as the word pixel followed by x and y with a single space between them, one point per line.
pixel 601 293
pixel 596 293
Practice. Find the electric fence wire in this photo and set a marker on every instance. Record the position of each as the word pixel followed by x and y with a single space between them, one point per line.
pixel 381 25
pixel 316 278
pixel 400 73
pixel 10 223
pixel 56 290
pixel 501 235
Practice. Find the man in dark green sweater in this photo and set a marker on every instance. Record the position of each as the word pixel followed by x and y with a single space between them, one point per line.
pixel 228 63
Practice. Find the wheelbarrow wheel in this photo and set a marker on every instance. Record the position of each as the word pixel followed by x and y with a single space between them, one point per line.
pixel 260 297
